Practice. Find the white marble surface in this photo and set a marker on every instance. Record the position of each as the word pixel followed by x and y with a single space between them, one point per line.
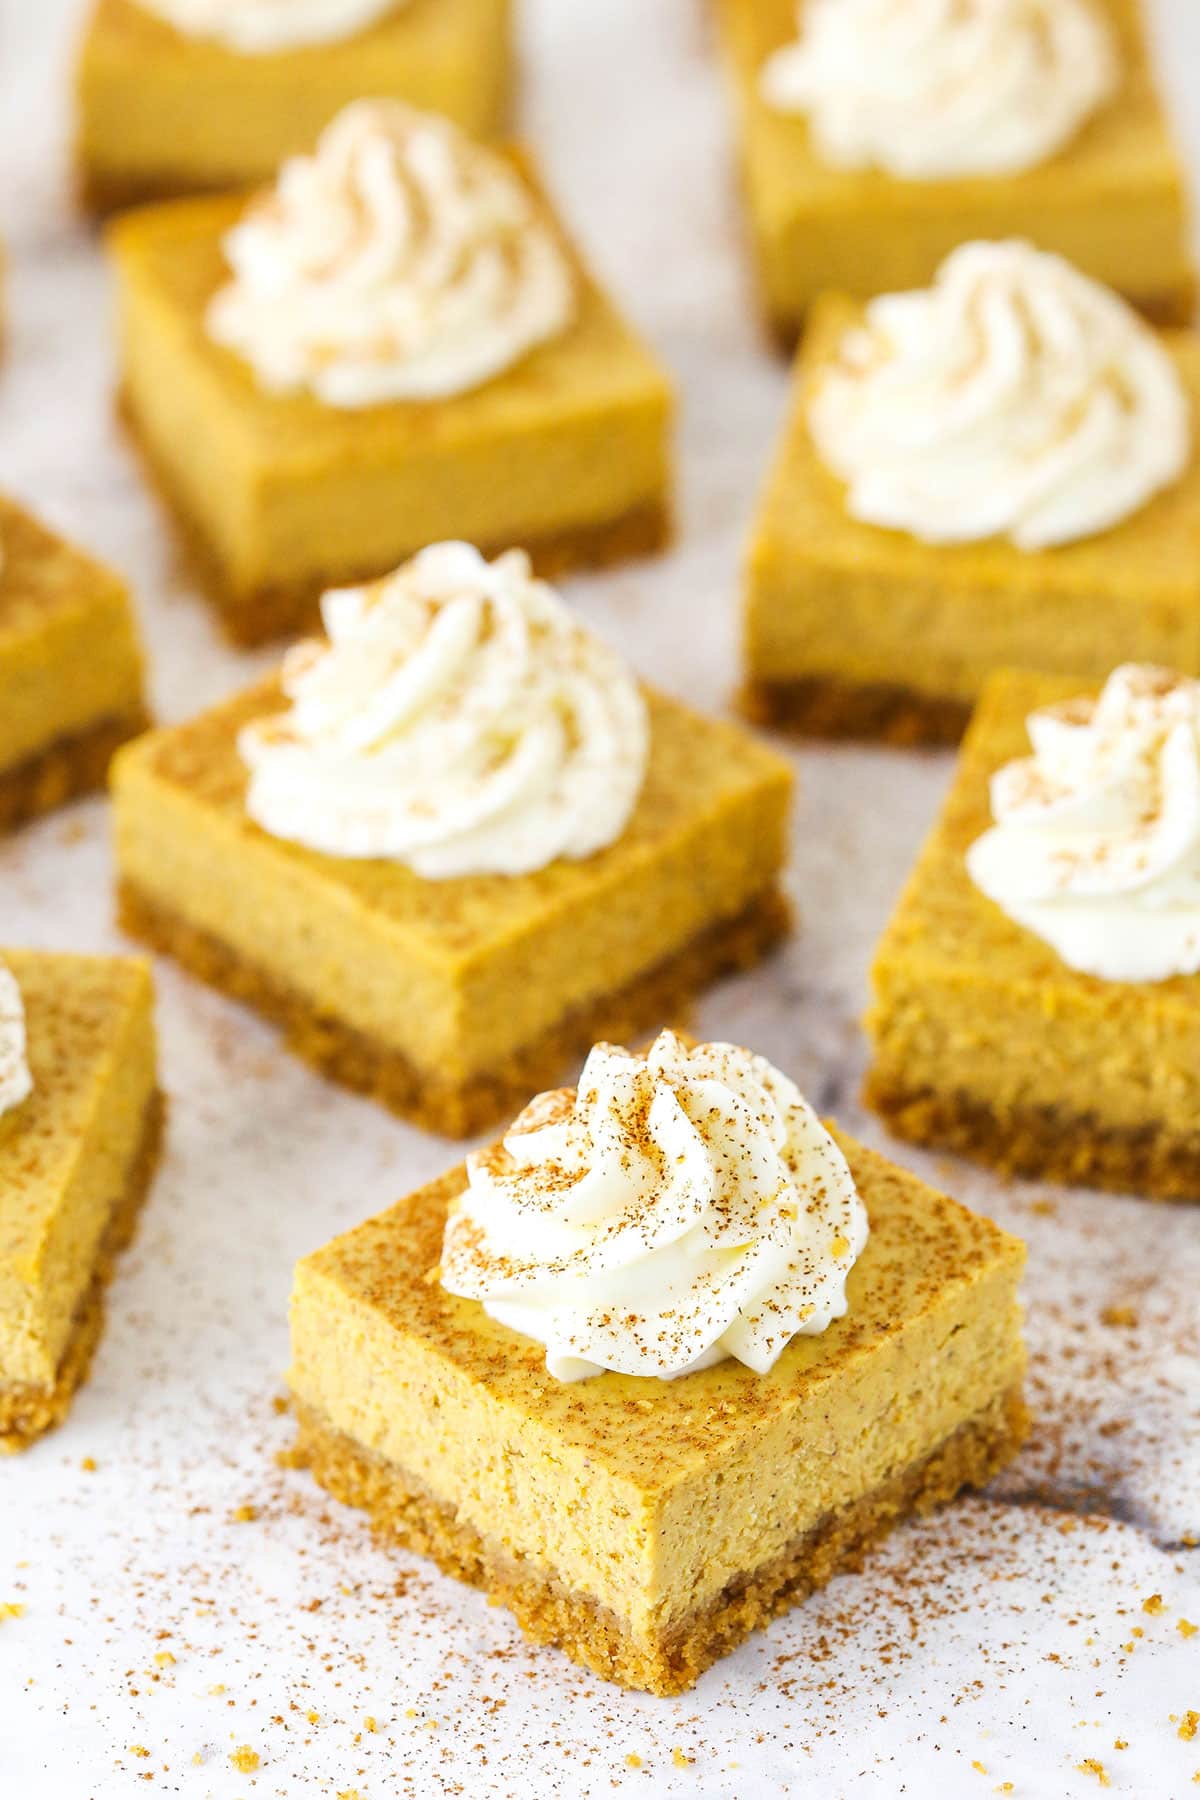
pixel 1002 1643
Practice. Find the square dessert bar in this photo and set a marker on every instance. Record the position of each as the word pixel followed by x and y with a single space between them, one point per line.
pixel 453 1001
pixel 70 669
pixel 76 1159
pixel 986 1043
pixel 162 113
pixel 1112 202
pixel 853 630
pixel 645 1526
pixel 281 496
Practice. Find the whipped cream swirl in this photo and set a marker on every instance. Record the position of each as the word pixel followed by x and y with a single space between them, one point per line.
pixel 16 1082
pixel 402 261
pixel 931 89
pixel 459 720
pixel 264 27
pixel 1014 397
pixel 675 1210
pixel 1096 845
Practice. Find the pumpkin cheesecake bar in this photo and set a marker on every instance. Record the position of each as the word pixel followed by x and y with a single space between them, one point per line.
pixel 80 1124
pixel 999 470
pixel 177 96
pixel 873 142
pixel 397 344
pixel 660 1363
pixel 70 669
pixel 1036 995
pixel 473 842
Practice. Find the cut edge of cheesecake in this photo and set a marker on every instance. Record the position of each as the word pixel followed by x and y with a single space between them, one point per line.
pixel 1171 307
pixel 549 1612
pixel 1043 1142
pixel 27 1411
pixel 829 706
pixel 461 1109
pixel 282 609
pixel 67 768
pixel 919 1082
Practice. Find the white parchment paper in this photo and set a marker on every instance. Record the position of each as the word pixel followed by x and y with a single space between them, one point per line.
pixel 198 1621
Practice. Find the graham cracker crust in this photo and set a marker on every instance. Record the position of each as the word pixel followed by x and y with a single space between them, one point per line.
pixel 65 769
pixel 1166 309
pixel 551 1613
pixel 27 1412
pixel 461 1109
pixel 824 706
pixel 100 195
pixel 291 608
pixel 1042 1142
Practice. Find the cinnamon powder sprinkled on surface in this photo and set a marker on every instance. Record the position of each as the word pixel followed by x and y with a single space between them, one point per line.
pixel 1005 1612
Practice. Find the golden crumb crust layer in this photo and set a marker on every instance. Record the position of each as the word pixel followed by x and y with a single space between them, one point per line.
pixel 826 706
pixel 99 196
pixel 65 769
pixel 27 1412
pixel 290 608
pixel 1168 309
pixel 550 1613
pixel 461 1109
pixel 1044 1142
